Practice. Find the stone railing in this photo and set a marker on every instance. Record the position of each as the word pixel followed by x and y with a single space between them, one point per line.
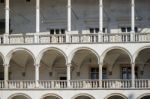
pixel 57 38
pixel 83 38
pixel 46 38
pixel 75 84
pixel 21 39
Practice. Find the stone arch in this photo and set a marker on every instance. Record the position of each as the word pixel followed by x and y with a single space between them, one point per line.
pixel 9 55
pixel 71 55
pixel 143 95
pixel 50 48
pixel 19 94
pixel 83 94
pixel 3 58
pixel 138 51
pixel 51 94
pixel 115 94
pixel 112 48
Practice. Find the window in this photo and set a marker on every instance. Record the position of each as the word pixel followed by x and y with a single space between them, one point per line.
pixel 128 29
pixel 126 72
pixel 94 73
pixel 57 31
pixel 104 73
pixel 96 30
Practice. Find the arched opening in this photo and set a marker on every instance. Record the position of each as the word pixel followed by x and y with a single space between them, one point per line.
pixel 83 96
pixel 85 65
pixel 145 97
pixel 19 96
pixel 117 64
pixel 1 68
pixel 51 96
pixel 116 96
pixel 21 63
pixel 143 62
pixel 53 65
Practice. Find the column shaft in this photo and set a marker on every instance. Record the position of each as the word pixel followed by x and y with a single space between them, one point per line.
pixel 7 17
pixel 101 16
pixel 69 16
pixel 37 16
pixel 37 66
pixel 133 16
pixel 133 74
pixel 68 74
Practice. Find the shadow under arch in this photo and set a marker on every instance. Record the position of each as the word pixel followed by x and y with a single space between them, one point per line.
pixel 115 48
pixel 51 94
pixel 83 94
pixel 72 54
pixel 115 94
pixel 10 54
pixel 136 54
pixel 144 95
pixel 40 55
pixel 19 94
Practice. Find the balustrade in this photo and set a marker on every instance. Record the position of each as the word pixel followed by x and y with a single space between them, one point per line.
pixel 74 38
pixel 57 38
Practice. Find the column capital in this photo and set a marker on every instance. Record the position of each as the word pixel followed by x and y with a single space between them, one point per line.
pixel 6 65
pixel 68 64
pixel 7 8
pixel 37 7
pixel 37 65
pixel 100 5
pixel 132 5
pixel 101 64
pixel 133 64
pixel 68 6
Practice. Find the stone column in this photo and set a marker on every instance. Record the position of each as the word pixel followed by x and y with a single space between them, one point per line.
pixel 37 66
pixel 7 28
pixel 7 17
pixel 132 20
pixel 68 20
pixel 100 74
pixel 36 38
pixel 6 74
pixel 100 20
pixel 133 74
pixel 68 74
pixel 69 16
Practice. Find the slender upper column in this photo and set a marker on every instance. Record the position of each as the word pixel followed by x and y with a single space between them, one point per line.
pixel 68 74
pixel 7 17
pixel 37 16
pixel 101 16
pixel 133 74
pixel 132 16
pixel 69 16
